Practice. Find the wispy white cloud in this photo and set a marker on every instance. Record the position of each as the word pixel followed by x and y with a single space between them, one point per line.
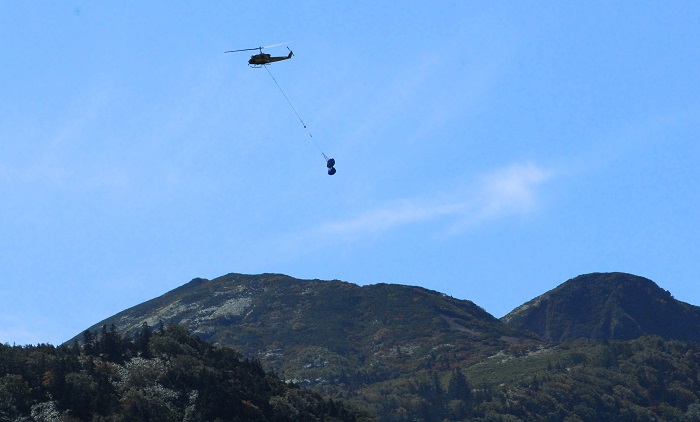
pixel 507 191
pixel 510 190
pixel 397 214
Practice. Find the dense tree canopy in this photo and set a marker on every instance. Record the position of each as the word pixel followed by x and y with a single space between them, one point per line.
pixel 167 375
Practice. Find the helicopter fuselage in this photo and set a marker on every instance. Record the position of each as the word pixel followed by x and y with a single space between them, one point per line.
pixel 263 59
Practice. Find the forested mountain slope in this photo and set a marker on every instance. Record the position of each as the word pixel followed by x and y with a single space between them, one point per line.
pixel 599 347
pixel 607 306
pixel 325 332
pixel 165 375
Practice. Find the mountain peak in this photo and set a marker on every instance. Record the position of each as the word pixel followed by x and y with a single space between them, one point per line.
pixel 336 323
pixel 606 306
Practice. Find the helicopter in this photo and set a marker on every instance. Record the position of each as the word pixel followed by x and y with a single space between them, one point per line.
pixel 262 59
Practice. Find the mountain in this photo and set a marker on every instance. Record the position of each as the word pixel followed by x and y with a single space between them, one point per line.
pixel 344 340
pixel 315 330
pixel 607 306
pixel 404 353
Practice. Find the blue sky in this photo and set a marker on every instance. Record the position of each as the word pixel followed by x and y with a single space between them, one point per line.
pixel 487 150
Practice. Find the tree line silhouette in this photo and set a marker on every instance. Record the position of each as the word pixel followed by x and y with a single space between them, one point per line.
pixel 165 374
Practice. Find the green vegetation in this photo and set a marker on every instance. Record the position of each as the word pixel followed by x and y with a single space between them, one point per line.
pixel 169 374
pixel 166 375
pixel 340 339
pixel 607 306
pixel 581 352
pixel 644 379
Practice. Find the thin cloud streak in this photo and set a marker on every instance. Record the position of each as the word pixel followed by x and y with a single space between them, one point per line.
pixel 508 191
pixel 399 214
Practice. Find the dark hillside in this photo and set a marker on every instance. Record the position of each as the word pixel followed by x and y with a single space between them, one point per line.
pixel 607 306
pixel 166 375
pixel 645 379
pixel 406 353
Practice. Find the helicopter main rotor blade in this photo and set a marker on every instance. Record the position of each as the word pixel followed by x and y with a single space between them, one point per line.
pixel 276 45
pixel 244 49
pixel 259 48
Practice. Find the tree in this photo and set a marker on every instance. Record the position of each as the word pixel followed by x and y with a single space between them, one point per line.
pixel 14 395
pixel 80 393
pixel 88 343
pixel 458 387
pixel 143 338
pixel 111 344
pixel 459 395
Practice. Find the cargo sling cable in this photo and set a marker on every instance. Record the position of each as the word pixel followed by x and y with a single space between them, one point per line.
pixel 330 162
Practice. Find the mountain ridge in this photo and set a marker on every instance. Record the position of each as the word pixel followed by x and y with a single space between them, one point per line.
pixel 394 350
pixel 270 316
pixel 605 306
